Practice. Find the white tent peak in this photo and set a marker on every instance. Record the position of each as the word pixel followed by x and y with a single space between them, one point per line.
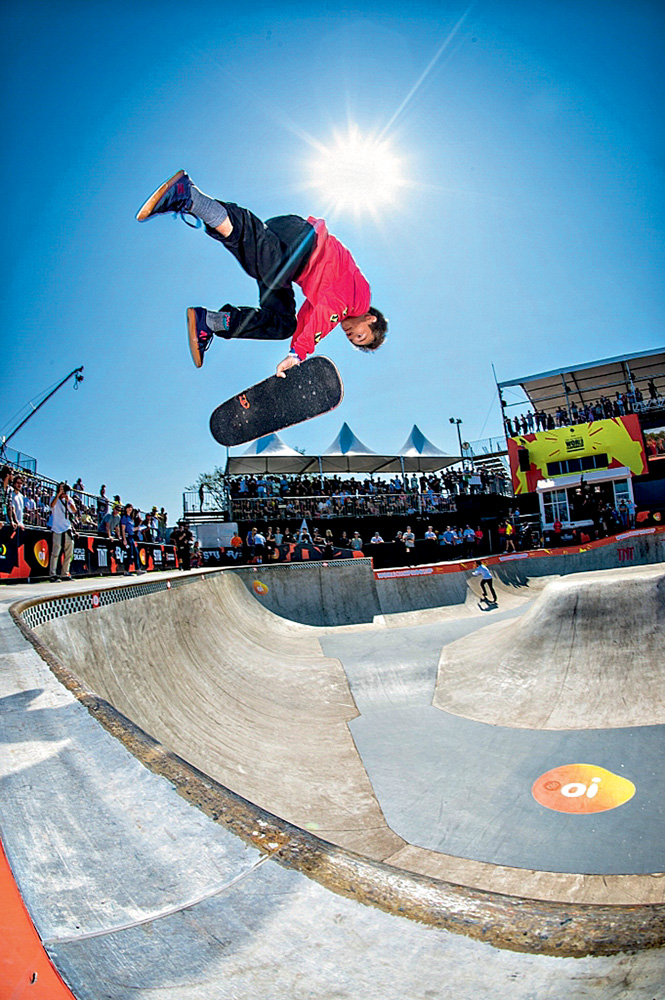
pixel 417 445
pixel 346 443
pixel 271 444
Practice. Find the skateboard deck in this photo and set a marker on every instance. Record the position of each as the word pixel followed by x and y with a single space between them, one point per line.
pixel 309 389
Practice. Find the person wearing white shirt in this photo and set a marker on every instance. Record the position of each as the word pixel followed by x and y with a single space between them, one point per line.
pixel 18 501
pixel 62 509
pixel 485 575
pixel 376 538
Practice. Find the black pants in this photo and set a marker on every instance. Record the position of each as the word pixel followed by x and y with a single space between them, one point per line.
pixel 484 584
pixel 274 253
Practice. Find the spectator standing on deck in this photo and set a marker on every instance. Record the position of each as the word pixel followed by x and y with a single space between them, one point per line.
pixel 63 509
pixel 182 538
pixel 110 526
pixel 259 546
pixel 103 507
pixel 6 514
pixel 632 513
pixel 485 575
pixel 18 501
pixel 249 542
pixel 128 537
pixel 469 538
pixel 235 551
pixel 356 542
pixel 409 540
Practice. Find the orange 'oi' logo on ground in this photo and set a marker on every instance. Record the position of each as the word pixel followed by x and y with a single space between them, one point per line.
pixel 581 788
pixel 41 552
pixel 260 588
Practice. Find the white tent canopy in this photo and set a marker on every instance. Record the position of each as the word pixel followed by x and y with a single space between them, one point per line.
pixel 268 455
pixel 419 454
pixel 346 454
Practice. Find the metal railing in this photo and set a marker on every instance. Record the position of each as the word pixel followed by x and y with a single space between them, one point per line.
pixel 38 491
pixel 206 503
pixel 323 507
pixel 18 459
pixel 485 446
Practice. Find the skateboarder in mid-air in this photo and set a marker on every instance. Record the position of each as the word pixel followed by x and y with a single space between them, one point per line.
pixel 276 253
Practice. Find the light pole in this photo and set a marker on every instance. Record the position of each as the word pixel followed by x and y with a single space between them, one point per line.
pixel 457 422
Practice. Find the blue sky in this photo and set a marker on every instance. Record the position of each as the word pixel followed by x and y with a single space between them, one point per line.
pixel 530 234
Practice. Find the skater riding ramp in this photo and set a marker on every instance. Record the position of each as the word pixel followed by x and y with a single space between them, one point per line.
pixel 347 593
pixel 241 694
pixel 587 654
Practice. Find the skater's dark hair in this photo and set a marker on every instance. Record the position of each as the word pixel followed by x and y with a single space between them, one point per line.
pixel 379 329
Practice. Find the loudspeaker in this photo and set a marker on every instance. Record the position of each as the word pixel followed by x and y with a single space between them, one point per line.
pixel 523 459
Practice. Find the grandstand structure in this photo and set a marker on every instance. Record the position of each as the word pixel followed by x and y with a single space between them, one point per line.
pixel 598 441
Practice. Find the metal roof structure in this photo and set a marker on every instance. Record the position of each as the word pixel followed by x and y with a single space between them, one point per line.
pixel 587 383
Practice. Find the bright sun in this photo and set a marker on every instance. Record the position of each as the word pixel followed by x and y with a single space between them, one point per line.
pixel 357 173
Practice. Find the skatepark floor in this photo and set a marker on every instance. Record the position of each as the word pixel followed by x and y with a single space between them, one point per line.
pixel 388 740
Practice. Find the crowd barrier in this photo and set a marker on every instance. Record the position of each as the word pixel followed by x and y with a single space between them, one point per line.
pixel 25 554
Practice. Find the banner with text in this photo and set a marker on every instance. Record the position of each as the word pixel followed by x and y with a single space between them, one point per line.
pixel 575 449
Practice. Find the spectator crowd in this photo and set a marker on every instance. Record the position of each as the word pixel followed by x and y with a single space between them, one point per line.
pixel 285 496
pixel 450 543
pixel 621 404
pixel 26 500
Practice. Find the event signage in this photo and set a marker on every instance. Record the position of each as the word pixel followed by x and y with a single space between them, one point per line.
pixel 575 449
pixel 25 554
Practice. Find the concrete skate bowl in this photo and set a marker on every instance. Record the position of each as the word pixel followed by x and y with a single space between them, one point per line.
pixel 324 745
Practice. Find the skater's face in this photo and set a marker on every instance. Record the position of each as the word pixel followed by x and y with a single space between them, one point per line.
pixel 358 329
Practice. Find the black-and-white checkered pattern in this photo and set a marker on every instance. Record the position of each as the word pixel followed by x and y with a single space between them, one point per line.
pixel 58 607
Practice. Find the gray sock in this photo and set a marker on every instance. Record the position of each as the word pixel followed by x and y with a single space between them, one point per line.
pixel 207 209
pixel 218 322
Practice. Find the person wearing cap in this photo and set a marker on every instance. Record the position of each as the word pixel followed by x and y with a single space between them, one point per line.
pixel 110 525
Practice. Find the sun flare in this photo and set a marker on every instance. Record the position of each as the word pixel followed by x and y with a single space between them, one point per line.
pixel 357 173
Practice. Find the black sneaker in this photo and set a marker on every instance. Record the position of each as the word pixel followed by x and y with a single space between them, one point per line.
pixel 173 195
pixel 200 334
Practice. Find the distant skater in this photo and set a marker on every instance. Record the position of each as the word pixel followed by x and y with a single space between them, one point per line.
pixel 486 581
pixel 282 251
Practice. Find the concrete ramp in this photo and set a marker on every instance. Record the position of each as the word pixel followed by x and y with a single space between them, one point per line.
pixel 342 592
pixel 346 774
pixel 245 696
pixel 588 654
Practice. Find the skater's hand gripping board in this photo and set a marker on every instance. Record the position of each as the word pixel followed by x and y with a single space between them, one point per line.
pixel 309 389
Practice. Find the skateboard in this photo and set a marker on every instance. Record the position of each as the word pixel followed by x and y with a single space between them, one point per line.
pixel 309 389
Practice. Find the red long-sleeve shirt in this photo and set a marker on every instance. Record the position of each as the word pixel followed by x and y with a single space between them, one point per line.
pixel 334 288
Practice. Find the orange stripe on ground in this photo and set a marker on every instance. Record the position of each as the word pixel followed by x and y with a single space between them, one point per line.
pixel 26 972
